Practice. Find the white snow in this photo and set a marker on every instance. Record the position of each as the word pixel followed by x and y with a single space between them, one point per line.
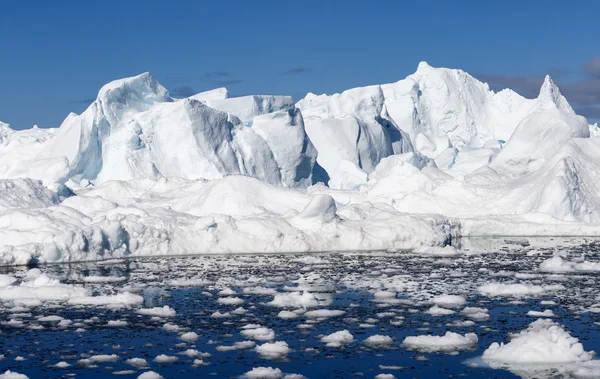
pixel 189 337
pixel 273 350
pixel 338 339
pixel 258 333
pixel 12 375
pixel 263 373
pixel 517 289
pixel 449 301
pixel 449 342
pixel 164 311
pixel 150 375
pixel 543 342
pixel 410 165
pixel 163 358
pixel 378 341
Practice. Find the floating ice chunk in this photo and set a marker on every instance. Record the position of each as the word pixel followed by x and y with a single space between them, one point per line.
pixel 226 292
pixel 378 341
pixel 288 315
pixel 230 301
pixel 324 313
pixel 476 314
pixel 117 323
pixel 543 342
pixel 385 376
pixel 449 342
pixel 163 358
pixel 545 313
pixel 260 291
pixel 311 260
pixel 165 311
pixel 437 311
pixel 62 364
pixel 274 350
pixel 446 251
pixel 150 375
pixel 50 318
pixel 557 264
pixel 189 337
pixel 517 289
pixel 258 333
pixel 104 279
pixel 449 301
pixel 338 339
pixel 125 299
pixel 237 346
pixel 295 300
pixel 263 373
pixel 104 358
pixel 6 280
pixel 191 353
pixel 137 362
pixel 13 375
pixel 169 327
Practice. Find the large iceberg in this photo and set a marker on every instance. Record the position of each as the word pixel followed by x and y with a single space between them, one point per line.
pixel 420 162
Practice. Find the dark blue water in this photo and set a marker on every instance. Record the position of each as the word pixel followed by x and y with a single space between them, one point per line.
pixel 339 279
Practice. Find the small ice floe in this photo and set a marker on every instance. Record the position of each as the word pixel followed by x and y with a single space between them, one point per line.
pixel 385 376
pixel 150 375
pixel 104 279
pixel 545 313
pixel 125 299
pixel 438 311
pixel 378 341
pixel 163 358
pixel 324 313
pixel 263 373
pixel 165 311
pixel 258 332
pixel 273 350
pixel 237 346
pixel 448 343
pixel 288 315
pixel 446 251
pixel 476 314
pixel 543 343
pixel 137 362
pixel 189 337
pixel 311 260
pixel 230 300
pixel 338 339
pixel 261 291
pixel 104 358
pixel 517 289
pixel 294 300
pixel 13 375
pixel 557 264
pixel 449 301
pixel 117 323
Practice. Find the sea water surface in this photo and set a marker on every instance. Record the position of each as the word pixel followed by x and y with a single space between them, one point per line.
pixel 221 297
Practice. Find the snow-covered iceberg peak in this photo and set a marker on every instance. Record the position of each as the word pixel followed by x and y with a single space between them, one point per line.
pixel 551 98
pixel 135 90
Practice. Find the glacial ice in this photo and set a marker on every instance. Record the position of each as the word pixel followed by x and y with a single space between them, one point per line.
pixel 408 165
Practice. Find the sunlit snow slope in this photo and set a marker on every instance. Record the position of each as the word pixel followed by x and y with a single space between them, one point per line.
pixel 435 156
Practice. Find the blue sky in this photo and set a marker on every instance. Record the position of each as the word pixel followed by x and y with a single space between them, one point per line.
pixel 54 56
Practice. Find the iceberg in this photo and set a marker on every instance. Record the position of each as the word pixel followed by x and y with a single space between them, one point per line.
pixel 408 165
